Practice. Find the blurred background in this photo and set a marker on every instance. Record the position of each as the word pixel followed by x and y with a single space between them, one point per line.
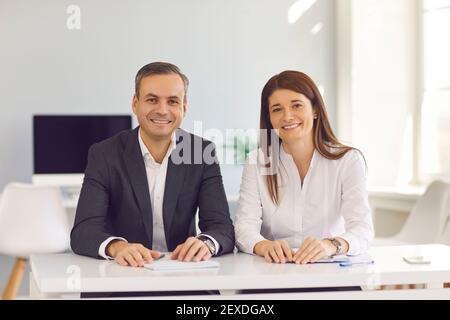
pixel 383 67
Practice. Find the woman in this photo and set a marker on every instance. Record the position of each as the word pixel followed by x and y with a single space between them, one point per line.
pixel 304 198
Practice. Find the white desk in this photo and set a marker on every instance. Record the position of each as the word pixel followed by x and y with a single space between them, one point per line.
pixel 66 275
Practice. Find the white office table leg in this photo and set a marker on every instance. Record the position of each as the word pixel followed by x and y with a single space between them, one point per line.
pixel 35 293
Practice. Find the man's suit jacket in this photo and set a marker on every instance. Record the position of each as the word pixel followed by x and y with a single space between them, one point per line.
pixel 115 200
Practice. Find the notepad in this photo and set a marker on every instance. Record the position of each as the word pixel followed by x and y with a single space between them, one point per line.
pixel 347 260
pixel 175 265
pixel 358 260
pixel 335 259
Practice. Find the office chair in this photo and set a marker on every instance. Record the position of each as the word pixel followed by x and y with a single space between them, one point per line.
pixel 32 220
pixel 426 222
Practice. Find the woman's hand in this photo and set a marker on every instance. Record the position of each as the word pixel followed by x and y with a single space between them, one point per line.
pixel 313 250
pixel 277 251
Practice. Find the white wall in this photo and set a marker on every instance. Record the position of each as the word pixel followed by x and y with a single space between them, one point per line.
pixel 228 49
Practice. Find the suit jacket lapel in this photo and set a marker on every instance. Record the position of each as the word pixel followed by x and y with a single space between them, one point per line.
pixel 138 177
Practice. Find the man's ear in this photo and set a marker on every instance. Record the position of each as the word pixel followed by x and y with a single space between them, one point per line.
pixel 184 107
pixel 134 104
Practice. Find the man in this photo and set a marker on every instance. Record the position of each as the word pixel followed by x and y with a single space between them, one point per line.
pixel 138 198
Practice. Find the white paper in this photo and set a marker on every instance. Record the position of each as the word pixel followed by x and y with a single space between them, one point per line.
pixel 361 259
pixel 365 258
pixel 175 265
pixel 335 259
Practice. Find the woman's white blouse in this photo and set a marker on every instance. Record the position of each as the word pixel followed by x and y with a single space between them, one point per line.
pixel 333 202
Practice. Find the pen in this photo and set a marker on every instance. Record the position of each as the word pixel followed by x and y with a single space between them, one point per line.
pixel 162 255
pixel 349 263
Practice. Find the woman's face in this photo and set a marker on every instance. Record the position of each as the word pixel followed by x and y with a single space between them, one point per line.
pixel 292 115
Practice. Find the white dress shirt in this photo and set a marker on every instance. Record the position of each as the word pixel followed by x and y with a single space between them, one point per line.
pixel 156 177
pixel 333 202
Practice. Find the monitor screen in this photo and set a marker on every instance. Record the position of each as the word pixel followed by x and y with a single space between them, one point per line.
pixel 61 143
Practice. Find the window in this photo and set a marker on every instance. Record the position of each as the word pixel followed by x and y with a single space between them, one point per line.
pixel 434 144
pixel 394 88
pixel 383 94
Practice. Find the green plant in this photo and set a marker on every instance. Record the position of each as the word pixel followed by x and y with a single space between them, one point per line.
pixel 241 145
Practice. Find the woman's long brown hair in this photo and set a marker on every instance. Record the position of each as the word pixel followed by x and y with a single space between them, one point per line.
pixel 323 135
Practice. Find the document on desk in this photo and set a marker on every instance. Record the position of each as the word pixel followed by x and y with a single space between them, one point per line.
pixel 345 260
pixel 349 261
pixel 175 265
pixel 365 258
pixel 335 259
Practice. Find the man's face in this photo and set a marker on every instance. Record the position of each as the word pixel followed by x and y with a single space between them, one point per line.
pixel 161 105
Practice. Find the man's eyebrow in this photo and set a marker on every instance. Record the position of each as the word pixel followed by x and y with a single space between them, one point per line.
pixel 148 95
pixel 152 95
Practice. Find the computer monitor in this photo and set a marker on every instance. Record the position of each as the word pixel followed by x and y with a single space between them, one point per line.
pixel 61 144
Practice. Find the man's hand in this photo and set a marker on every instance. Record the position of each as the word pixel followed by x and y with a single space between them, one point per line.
pixel 277 251
pixel 192 249
pixel 130 254
pixel 313 250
